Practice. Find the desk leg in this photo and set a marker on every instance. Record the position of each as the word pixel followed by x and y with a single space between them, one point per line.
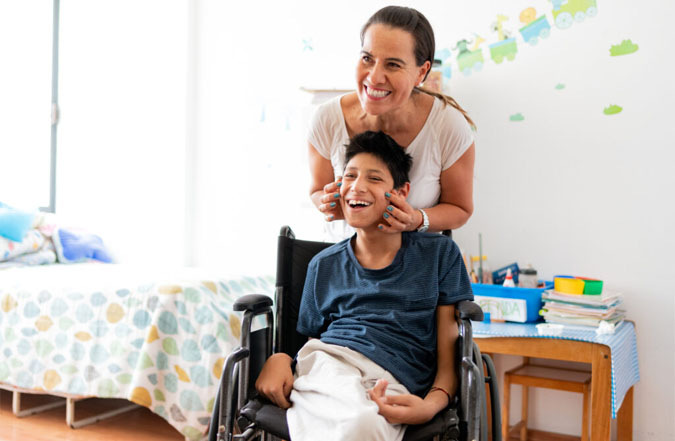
pixel 624 423
pixel 601 393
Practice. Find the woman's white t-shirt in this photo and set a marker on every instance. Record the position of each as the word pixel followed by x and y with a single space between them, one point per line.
pixel 443 139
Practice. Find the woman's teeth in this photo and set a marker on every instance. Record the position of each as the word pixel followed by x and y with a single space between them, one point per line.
pixel 377 93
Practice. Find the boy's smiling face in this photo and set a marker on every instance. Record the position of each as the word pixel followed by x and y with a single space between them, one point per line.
pixel 365 181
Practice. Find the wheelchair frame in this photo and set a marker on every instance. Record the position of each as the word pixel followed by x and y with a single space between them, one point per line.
pixel 472 406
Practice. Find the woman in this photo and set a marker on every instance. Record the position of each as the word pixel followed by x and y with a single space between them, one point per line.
pixel 397 49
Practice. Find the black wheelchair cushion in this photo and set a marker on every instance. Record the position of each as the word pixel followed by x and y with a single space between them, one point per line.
pixel 266 416
pixel 272 419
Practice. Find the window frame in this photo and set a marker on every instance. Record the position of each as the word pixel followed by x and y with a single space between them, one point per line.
pixel 54 108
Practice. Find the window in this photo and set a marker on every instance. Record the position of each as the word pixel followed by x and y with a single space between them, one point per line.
pixel 26 34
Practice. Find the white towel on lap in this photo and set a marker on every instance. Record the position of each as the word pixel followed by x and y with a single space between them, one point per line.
pixel 330 401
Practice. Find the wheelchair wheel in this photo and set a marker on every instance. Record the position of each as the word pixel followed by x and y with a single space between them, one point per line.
pixel 486 364
pixel 496 411
pixel 478 359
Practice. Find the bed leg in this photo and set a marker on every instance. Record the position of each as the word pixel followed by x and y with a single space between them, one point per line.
pixel 16 402
pixel 16 406
pixel 70 414
pixel 70 411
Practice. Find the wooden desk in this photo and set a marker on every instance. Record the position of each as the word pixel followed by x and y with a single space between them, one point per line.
pixel 598 355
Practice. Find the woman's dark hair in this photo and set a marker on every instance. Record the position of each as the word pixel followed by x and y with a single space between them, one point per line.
pixel 384 148
pixel 412 21
pixel 409 20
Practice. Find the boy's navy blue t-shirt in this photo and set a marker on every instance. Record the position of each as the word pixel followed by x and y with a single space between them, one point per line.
pixel 388 315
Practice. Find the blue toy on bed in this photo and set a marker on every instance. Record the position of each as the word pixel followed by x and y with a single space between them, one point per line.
pixel 77 246
pixel 14 224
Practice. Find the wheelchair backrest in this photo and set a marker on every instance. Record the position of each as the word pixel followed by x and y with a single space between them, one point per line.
pixel 293 257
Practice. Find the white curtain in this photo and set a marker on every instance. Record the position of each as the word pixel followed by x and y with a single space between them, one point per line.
pixel 121 145
pixel 25 91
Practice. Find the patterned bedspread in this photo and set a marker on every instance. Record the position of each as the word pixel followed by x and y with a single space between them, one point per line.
pixel 156 337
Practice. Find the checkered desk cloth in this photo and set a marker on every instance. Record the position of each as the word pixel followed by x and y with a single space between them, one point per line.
pixel 623 344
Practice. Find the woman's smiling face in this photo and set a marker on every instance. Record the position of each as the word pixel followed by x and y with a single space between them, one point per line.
pixel 365 181
pixel 387 72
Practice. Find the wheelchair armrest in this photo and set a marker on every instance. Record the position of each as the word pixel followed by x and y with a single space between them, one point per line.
pixel 227 389
pixel 469 310
pixel 252 302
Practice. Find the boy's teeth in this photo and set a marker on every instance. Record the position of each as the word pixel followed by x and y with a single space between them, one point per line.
pixel 355 203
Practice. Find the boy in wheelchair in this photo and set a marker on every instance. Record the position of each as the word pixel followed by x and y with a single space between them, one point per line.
pixel 379 311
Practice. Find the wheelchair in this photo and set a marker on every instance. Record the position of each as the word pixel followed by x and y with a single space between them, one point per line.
pixel 239 413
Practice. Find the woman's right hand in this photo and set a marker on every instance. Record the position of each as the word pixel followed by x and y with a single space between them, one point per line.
pixel 275 381
pixel 330 201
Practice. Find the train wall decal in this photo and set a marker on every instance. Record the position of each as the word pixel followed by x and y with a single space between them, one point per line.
pixel 472 59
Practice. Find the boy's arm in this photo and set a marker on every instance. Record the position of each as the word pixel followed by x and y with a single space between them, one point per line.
pixel 447 335
pixel 411 409
pixel 275 381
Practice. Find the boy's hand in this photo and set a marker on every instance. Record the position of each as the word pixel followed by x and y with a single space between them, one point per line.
pixel 275 381
pixel 330 201
pixel 403 409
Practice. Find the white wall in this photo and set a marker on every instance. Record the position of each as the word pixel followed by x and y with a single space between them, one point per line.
pixel 578 192
pixel 248 134
pixel 569 189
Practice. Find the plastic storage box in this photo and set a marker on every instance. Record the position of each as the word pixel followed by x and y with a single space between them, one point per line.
pixel 510 304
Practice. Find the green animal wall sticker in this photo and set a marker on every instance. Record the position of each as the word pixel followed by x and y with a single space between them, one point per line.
pixel 566 12
pixel 506 46
pixel 559 86
pixel 626 47
pixel 517 117
pixel 504 49
pixel 612 109
pixel 468 60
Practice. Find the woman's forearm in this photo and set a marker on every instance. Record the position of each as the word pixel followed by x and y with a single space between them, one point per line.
pixel 445 216
pixel 455 204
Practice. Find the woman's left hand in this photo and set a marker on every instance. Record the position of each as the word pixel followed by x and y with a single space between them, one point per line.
pixel 399 216
pixel 401 409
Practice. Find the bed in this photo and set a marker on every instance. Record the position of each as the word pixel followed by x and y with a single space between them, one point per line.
pixel 157 337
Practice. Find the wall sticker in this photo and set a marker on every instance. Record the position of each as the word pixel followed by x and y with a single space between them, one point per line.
pixel 626 47
pixel 613 109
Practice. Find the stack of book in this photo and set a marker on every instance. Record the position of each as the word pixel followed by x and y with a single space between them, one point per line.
pixel 582 309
